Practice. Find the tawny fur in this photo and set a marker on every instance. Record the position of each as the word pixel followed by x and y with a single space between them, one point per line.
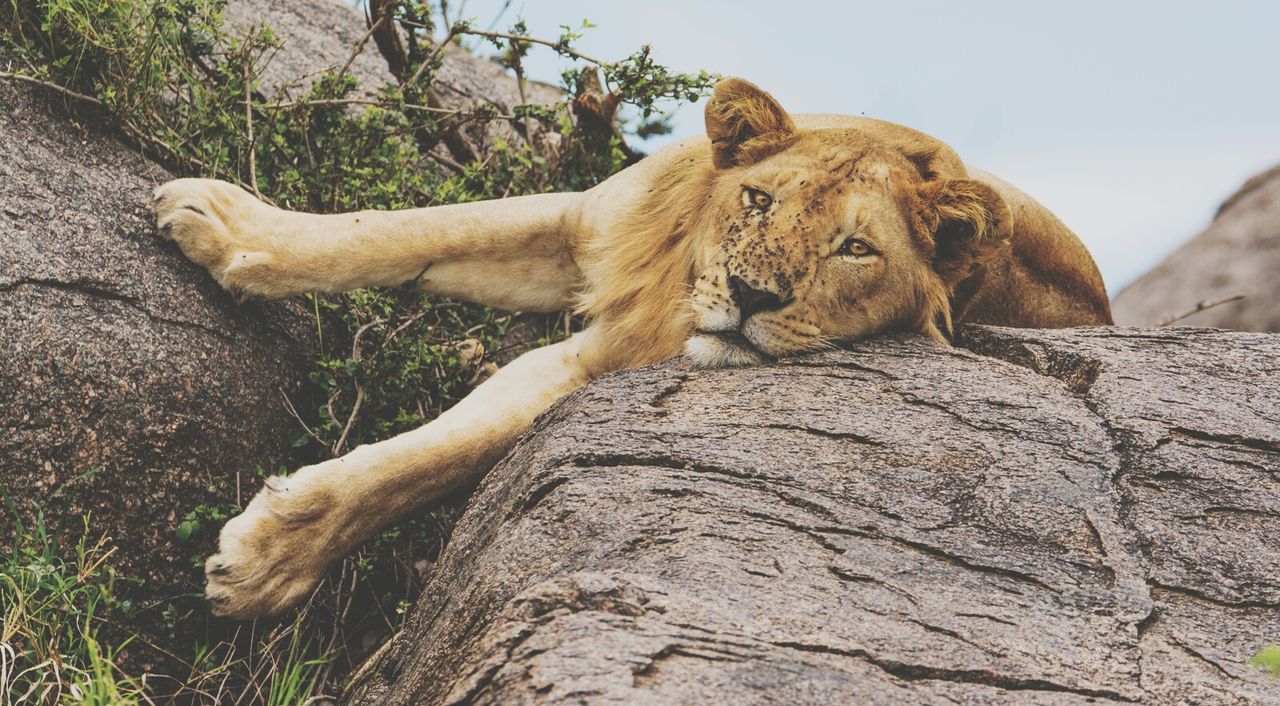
pixel 775 235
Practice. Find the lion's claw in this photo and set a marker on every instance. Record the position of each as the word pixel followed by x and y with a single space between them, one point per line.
pixel 268 558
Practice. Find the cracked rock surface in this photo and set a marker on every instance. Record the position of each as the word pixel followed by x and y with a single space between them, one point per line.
pixel 1053 517
pixel 129 381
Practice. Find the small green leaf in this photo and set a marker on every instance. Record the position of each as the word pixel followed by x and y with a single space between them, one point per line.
pixel 186 528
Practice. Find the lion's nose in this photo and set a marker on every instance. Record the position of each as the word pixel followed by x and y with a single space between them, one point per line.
pixel 751 300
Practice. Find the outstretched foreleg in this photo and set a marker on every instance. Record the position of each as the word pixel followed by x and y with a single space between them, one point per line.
pixel 509 253
pixel 274 553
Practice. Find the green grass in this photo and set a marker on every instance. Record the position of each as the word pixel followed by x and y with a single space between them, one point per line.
pixel 65 623
pixel 53 600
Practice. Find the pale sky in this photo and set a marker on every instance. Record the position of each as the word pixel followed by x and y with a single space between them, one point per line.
pixel 1130 120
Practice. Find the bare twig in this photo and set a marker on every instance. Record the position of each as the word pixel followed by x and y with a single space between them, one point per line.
pixel 139 637
pixel 448 162
pixel 369 663
pixel 399 329
pixel 355 411
pixel 431 60
pixel 340 619
pixel 518 66
pixel 315 306
pixel 560 47
pixel 1202 306
pixel 186 161
pixel 412 107
pixel 292 410
pixel 248 123
pixel 52 87
pixel 359 46
pixel 355 339
pixel 355 406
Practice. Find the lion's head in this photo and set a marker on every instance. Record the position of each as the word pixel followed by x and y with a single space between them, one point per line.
pixel 829 234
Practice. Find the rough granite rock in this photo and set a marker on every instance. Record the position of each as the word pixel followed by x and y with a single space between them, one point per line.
pixel 1051 517
pixel 1239 253
pixel 319 35
pixel 129 381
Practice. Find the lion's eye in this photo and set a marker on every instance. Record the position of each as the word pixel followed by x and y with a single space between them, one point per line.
pixel 855 248
pixel 755 198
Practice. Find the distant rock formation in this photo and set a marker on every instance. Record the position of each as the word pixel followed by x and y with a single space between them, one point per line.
pixel 1238 254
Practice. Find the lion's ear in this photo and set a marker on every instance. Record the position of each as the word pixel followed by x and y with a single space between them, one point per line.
pixel 967 221
pixel 745 124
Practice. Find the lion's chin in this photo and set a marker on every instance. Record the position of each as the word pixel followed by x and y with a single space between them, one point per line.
pixel 722 350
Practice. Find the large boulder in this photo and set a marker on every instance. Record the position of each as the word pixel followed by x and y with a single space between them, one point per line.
pixel 320 35
pixel 1238 254
pixel 1051 517
pixel 132 388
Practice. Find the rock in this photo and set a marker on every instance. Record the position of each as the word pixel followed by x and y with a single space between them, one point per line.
pixel 315 36
pixel 1239 253
pixel 319 35
pixel 1057 517
pixel 130 383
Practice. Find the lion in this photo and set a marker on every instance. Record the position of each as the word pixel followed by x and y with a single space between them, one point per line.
pixel 773 235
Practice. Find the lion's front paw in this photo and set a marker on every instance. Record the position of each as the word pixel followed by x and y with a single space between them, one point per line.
pixel 275 552
pixel 219 226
